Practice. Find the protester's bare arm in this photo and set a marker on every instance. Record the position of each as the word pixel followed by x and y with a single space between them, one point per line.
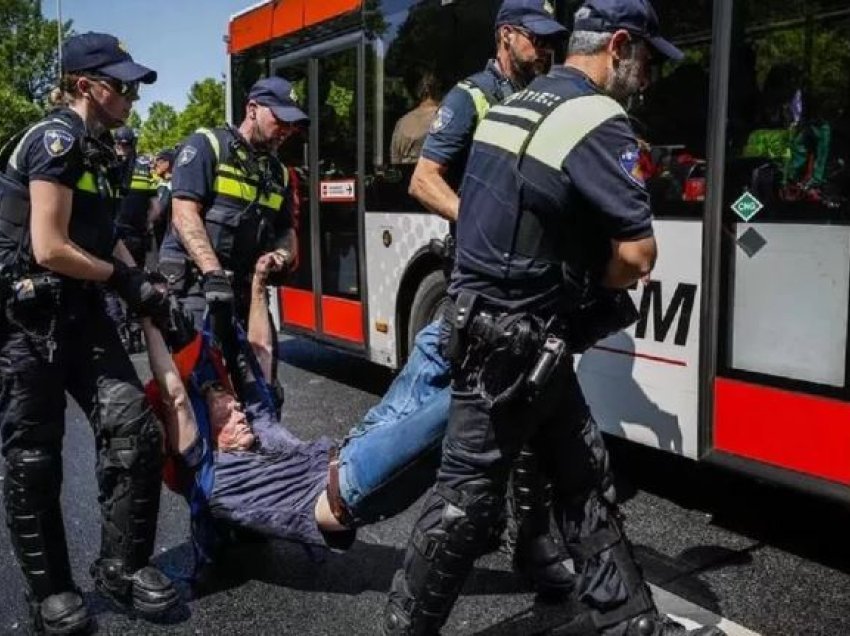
pixel 260 334
pixel 180 424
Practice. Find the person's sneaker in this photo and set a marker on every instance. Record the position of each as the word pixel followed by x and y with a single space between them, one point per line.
pixel 61 614
pixel 147 590
pixel 541 562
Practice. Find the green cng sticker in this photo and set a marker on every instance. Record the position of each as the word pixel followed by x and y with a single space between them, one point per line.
pixel 747 206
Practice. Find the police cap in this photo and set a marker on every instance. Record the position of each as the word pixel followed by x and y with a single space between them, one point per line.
pixel 278 95
pixel 538 16
pixel 124 135
pixel 635 16
pixel 105 55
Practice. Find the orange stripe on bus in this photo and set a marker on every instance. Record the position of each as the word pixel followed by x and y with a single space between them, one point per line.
pixel 342 318
pixel 299 308
pixel 276 19
pixel 799 432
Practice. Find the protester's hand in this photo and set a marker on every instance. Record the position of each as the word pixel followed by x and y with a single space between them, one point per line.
pixel 273 267
pixel 217 288
pixel 144 295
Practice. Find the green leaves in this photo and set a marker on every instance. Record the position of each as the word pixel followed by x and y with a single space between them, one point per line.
pixel 28 63
pixel 165 127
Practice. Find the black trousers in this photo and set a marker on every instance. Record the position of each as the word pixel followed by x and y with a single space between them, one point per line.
pixel 490 419
pixel 74 347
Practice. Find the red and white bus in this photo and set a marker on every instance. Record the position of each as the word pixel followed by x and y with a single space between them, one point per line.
pixel 741 354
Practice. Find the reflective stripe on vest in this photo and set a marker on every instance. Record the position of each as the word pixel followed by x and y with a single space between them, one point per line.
pixel 479 99
pixel 139 183
pixel 88 182
pixel 555 136
pixel 234 182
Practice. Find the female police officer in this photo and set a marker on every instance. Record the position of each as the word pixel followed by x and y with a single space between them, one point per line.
pixel 56 244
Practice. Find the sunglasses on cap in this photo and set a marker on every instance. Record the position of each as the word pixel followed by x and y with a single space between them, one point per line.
pixel 124 89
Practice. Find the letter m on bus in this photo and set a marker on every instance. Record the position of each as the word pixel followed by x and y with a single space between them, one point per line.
pixel 678 311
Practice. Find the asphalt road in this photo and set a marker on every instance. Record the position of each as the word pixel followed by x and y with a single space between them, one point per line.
pixel 771 561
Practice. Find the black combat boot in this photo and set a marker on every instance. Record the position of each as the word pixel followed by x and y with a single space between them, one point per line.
pixel 536 555
pixel 147 590
pixel 31 497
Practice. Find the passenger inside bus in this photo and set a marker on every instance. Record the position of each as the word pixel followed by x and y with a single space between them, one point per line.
pixel 411 129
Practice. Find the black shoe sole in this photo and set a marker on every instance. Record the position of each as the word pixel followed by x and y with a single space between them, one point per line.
pixel 138 606
pixel 79 624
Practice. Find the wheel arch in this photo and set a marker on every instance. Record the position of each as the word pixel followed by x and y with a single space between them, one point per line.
pixel 423 263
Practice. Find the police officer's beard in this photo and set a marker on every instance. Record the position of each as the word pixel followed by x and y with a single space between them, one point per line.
pixel 625 81
pixel 524 70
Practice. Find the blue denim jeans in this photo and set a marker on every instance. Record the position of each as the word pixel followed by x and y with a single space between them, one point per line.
pixel 390 458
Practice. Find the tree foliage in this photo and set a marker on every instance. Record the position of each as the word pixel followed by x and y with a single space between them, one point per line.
pixel 28 63
pixel 159 130
pixel 205 107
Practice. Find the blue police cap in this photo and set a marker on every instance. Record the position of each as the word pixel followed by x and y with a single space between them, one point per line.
pixel 105 55
pixel 124 134
pixel 277 94
pixel 635 16
pixel 538 16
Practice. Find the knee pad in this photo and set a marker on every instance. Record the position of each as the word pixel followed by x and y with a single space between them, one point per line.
pixel 33 478
pixel 137 445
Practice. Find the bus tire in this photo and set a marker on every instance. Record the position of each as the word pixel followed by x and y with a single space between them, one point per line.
pixel 429 302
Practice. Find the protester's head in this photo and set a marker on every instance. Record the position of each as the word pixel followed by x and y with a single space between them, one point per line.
pixel 272 113
pixel 230 428
pixel 526 36
pixel 624 35
pixel 99 72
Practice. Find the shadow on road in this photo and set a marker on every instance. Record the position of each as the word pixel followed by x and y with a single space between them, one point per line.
pixel 365 567
pixel 804 525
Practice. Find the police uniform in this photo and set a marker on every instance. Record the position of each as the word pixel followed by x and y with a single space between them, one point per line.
pixel 57 337
pixel 246 203
pixel 132 219
pixel 464 106
pixel 522 260
pixel 448 143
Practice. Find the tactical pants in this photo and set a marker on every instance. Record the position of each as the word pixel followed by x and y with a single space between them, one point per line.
pixel 486 432
pixel 83 356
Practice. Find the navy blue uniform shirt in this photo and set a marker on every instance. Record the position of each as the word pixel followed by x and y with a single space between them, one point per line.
pixel 193 178
pixel 450 135
pixel 578 177
pixel 52 150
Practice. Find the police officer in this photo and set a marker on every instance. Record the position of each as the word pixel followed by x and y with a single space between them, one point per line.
pixel 138 196
pixel 526 36
pixel 162 166
pixel 230 204
pixel 552 200
pixel 57 245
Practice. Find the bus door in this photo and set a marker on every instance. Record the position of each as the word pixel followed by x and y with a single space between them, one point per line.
pixel 323 297
pixel 782 392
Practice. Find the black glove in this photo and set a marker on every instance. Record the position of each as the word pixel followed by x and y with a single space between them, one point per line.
pixel 217 288
pixel 138 290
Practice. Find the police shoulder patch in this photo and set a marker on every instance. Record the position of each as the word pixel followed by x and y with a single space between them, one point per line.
pixel 57 142
pixel 187 154
pixel 442 117
pixel 629 161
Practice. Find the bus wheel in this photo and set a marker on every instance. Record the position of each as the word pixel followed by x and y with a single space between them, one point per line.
pixel 428 304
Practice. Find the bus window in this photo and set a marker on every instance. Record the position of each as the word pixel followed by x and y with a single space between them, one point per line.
pixel 337 128
pixel 293 154
pixel 786 250
pixel 246 68
pixel 671 117
pixel 419 51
